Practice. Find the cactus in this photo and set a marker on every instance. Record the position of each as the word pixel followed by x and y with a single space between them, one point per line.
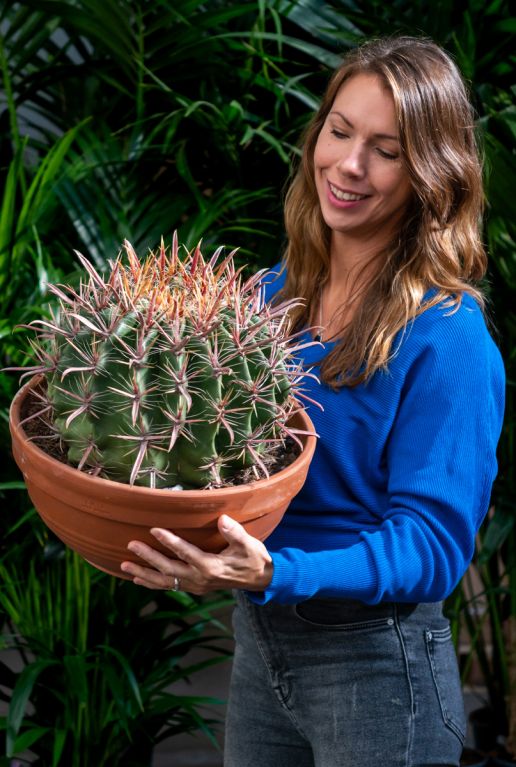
pixel 169 371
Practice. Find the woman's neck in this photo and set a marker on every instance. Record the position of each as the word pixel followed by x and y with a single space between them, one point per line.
pixel 352 267
pixel 351 253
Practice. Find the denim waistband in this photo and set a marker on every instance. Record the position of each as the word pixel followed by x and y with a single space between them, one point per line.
pixel 333 610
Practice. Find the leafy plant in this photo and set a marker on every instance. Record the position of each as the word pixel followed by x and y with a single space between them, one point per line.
pixel 99 661
pixel 169 132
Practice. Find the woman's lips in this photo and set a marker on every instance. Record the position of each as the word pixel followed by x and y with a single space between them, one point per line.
pixel 344 198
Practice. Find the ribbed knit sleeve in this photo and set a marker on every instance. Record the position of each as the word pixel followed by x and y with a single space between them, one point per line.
pixel 413 495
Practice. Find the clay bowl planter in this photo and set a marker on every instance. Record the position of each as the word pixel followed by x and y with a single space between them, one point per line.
pixel 98 517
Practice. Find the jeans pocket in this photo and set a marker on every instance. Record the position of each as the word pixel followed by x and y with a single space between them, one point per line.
pixel 336 615
pixel 445 673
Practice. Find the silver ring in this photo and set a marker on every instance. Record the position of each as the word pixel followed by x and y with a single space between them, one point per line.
pixel 175 587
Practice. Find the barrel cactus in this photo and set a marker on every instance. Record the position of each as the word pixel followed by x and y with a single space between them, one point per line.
pixel 168 371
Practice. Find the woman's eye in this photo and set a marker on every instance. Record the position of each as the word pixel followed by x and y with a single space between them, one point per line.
pixel 386 155
pixel 338 133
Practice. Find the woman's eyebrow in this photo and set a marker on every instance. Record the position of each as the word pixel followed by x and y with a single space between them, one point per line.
pixel 375 135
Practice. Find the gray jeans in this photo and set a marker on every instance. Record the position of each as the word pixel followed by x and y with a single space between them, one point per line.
pixel 334 683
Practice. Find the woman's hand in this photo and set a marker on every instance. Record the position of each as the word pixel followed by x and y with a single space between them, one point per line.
pixel 244 564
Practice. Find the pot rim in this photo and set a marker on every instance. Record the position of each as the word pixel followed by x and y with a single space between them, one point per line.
pixel 106 485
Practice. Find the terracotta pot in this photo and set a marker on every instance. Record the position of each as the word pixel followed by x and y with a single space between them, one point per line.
pixel 97 517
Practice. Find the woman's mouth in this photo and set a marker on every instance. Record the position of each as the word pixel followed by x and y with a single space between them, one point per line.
pixel 346 196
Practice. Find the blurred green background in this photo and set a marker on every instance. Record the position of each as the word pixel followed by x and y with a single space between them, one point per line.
pixel 129 119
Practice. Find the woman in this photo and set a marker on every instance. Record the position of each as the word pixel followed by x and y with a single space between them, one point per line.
pixel 343 656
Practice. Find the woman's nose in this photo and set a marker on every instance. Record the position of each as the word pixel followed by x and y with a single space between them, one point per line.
pixel 353 160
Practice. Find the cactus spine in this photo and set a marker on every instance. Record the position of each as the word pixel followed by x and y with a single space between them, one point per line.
pixel 168 371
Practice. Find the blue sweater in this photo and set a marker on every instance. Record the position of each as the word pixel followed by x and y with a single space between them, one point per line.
pixel 402 472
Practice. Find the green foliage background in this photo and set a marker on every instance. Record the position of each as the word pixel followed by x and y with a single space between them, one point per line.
pixel 128 118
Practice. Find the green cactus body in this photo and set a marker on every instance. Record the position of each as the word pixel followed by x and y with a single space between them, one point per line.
pixel 196 453
pixel 167 372
pixel 111 431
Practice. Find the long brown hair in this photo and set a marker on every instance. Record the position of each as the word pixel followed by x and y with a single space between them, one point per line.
pixel 438 244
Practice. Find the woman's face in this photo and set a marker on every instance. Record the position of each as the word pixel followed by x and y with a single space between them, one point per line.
pixel 361 181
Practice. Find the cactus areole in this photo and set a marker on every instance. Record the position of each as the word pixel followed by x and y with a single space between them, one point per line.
pixel 168 371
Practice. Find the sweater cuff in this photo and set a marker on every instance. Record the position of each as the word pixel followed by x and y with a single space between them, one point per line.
pixel 299 575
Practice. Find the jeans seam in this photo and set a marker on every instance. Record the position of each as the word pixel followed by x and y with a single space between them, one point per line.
pixel 282 699
pixel 401 638
pixel 449 721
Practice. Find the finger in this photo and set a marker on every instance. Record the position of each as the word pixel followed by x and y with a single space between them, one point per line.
pixel 234 532
pixel 183 550
pixel 144 576
pixel 156 559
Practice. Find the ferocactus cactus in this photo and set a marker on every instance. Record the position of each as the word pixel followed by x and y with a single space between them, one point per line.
pixel 168 371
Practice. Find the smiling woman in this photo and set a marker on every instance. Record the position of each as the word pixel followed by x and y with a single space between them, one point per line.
pixel 401 98
pixel 343 655
pixel 362 182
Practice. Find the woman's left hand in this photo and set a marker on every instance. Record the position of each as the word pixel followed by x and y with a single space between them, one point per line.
pixel 244 564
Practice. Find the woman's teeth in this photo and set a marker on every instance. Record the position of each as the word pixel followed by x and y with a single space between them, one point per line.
pixel 347 196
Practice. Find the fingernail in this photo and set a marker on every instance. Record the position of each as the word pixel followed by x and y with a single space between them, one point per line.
pixel 158 533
